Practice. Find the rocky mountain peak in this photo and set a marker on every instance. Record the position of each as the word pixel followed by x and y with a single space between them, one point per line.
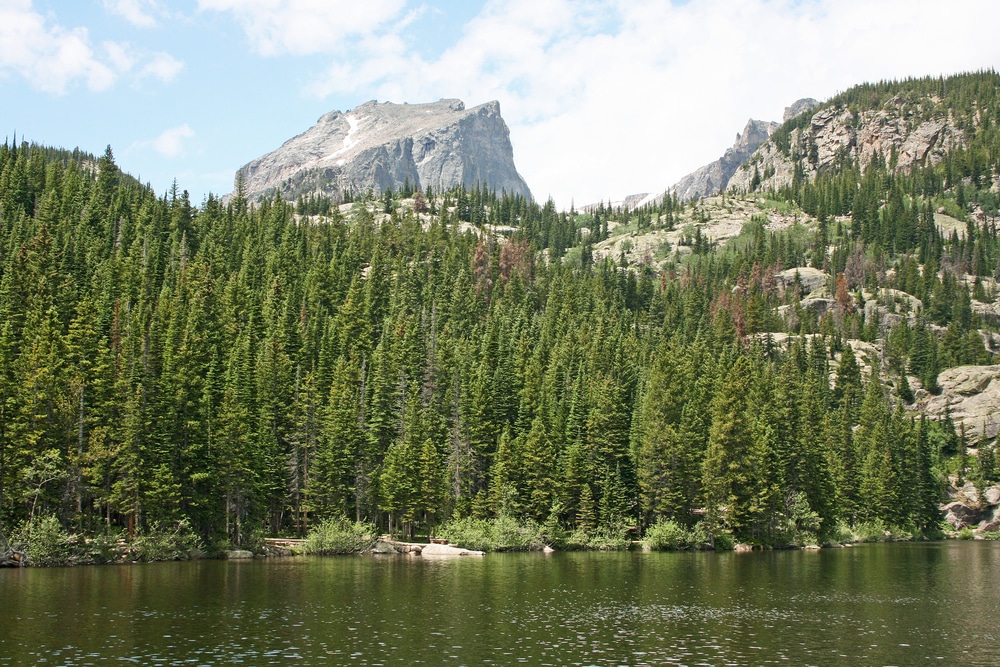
pixel 799 107
pixel 714 177
pixel 382 145
pixel 899 133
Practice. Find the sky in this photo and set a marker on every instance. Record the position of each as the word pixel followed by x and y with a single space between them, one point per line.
pixel 603 98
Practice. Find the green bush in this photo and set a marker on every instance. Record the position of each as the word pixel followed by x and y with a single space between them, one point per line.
pixel 469 533
pixel 340 536
pixel 666 536
pixel 510 535
pixel 47 542
pixel 723 541
pixel 966 534
pixel 102 548
pixel 605 538
pixel 869 531
pixel 167 542
pixel 503 533
pixel 876 531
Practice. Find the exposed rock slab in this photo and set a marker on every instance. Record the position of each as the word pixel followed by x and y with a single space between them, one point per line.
pixel 448 550
pixel 378 146
pixel 444 550
pixel 966 510
pixel 836 134
pixel 971 394
pixel 811 279
pixel 799 107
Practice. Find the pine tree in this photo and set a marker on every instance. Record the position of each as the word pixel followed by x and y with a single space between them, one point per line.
pixel 733 467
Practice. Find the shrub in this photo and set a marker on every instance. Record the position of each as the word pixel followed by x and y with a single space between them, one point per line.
pixel 468 533
pixel 102 548
pixel 966 534
pixel 605 538
pixel 340 536
pixel 841 534
pixel 869 531
pixel 47 543
pixel 510 535
pixel 723 541
pixel 666 536
pixel 167 542
pixel 503 533
pixel 610 538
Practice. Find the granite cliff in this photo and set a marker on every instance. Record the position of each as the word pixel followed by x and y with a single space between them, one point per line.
pixel 906 131
pixel 377 146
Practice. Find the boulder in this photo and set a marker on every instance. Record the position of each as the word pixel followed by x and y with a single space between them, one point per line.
pixel 959 516
pixel 382 547
pixel 448 550
pixel 239 554
pixel 811 279
pixel 971 394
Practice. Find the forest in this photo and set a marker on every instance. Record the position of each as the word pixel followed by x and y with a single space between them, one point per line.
pixel 417 360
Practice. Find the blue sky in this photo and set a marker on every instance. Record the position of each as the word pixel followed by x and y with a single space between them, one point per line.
pixel 603 98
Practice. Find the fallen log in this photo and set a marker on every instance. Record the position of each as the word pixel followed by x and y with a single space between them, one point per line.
pixel 12 558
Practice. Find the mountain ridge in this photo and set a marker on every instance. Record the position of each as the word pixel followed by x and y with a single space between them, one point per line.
pixel 714 177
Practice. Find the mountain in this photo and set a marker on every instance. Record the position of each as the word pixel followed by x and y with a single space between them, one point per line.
pixel 748 368
pixel 381 146
pixel 799 107
pixel 714 177
pixel 903 131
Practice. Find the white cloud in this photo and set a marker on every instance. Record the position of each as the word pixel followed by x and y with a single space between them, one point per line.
pixel 53 58
pixel 140 13
pixel 301 27
pixel 121 56
pixel 162 66
pixel 50 57
pixel 614 97
pixel 169 143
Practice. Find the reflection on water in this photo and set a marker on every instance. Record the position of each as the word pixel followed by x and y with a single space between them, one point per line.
pixel 872 604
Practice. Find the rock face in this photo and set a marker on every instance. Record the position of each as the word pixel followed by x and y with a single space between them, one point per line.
pixel 972 396
pixel 378 146
pixel 799 107
pixel 903 133
pixel 714 177
pixel 965 509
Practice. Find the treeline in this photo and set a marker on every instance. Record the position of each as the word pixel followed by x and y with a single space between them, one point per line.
pixel 251 370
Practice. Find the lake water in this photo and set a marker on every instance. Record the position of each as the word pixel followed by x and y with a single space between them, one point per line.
pixel 902 604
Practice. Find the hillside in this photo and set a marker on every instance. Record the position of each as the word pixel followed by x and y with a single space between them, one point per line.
pixel 751 367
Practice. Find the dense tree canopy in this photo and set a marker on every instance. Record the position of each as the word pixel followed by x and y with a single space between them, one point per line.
pixel 256 369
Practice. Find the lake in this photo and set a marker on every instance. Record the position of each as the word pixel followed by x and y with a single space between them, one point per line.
pixel 873 604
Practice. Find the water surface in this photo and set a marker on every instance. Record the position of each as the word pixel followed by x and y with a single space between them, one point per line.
pixel 872 604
